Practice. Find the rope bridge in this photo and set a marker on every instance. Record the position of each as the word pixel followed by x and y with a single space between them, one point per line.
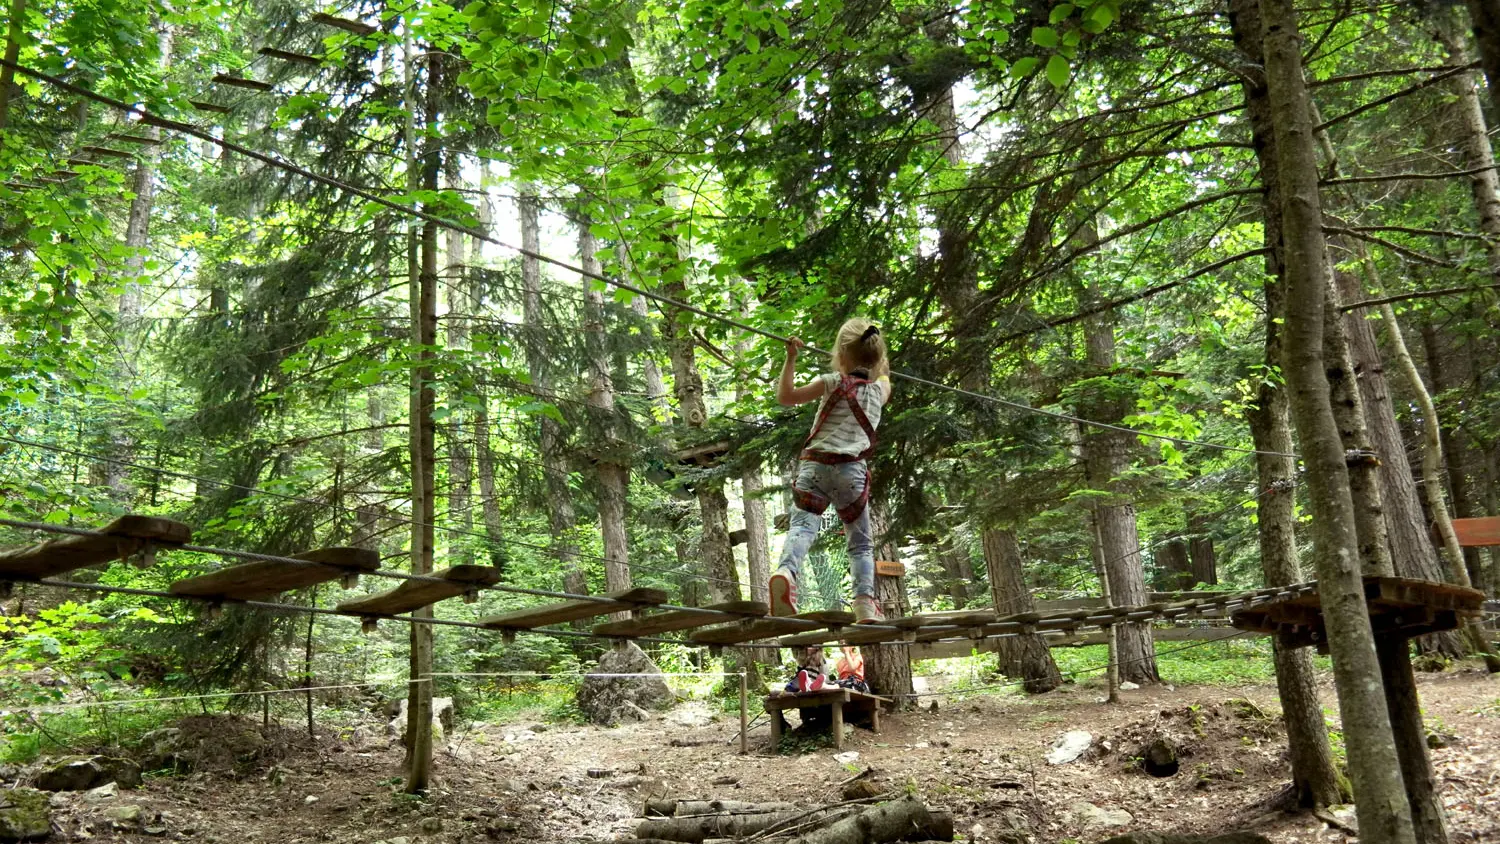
pixel 262 577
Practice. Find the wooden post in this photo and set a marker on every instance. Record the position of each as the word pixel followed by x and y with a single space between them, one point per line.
pixel 838 725
pixel 1112 672
pixel 744 715
pixel 1405 709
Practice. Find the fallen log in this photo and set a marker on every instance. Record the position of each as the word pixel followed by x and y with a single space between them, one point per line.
pixel 684 808
pixel 698 828
pixel 906 819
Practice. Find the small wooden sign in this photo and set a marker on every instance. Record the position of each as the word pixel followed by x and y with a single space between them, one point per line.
pixel 1473 533
pixel 890 568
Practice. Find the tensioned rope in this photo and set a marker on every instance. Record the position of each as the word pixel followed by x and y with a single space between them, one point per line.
pixel 281 164
pixel 456 531
pixel 254 556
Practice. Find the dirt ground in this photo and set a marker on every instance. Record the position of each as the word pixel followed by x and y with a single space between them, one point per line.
pixel 980 757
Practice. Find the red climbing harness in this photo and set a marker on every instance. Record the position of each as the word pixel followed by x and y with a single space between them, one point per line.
pixel 847 391
pixel 813 502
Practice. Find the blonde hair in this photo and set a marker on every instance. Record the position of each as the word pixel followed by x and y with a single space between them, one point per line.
pixel 860 345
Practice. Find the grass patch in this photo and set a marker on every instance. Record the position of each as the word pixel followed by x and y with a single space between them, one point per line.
pixel 24 738
pixel 1236 661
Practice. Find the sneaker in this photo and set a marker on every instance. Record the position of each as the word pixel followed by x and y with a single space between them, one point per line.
pixel 867 611
pixel 783 594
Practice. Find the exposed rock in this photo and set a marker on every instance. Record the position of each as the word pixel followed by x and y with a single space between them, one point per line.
pixel 105 792
pixel 1089 815
pixel 25 815
pixel 1159 758
pixel 1175 838
pixel 207 742
pixel 442 718
pixel 1069 747
pixel 81 773
pixel 432 826
pixel 610 700
pixel 125 815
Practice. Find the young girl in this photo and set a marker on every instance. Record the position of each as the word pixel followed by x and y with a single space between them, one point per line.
pixel 832 469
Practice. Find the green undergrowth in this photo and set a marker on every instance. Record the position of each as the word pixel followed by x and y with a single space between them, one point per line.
pixel 1228 663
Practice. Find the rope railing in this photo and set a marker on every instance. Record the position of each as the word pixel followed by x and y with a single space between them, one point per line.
pixel 255 556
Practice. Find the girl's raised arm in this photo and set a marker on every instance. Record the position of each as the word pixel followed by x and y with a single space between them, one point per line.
pixel 788 394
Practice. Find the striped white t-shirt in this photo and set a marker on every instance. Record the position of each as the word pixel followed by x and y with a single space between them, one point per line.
pixel 841 433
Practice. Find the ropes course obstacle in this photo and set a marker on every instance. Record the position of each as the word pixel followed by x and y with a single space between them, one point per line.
pixel 266 576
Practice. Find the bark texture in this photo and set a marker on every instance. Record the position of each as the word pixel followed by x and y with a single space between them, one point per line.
pixel 1363 464
pixel 1383 811
pixel 1484 17
pixel 1026 657
pixel 1106 455
pixel 1412 552
pixel 612 472
pixel 888 667
pixel 459 430
pixel 561 517
pixel 423 453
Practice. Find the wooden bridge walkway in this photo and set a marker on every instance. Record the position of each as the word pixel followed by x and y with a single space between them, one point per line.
pixel 716 626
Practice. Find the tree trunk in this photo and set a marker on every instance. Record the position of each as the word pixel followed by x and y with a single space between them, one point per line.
pixel 888 667
pixel 1363 465
pixel 1432 482
pixel 613 474
pixel 1205 564
pixel 484 451
pixel 656 388
pixel 1383 811
pixel 958 572
pixel 1484 16
pixel 1025 657
pixel 423 458
pixel 1174 570
pixel 460 460
pixel 1411 549
pixel 13 34
pixel 1106 455
pixel 713 505
pixel 1459 453
pixel 757 533
pixel 551 440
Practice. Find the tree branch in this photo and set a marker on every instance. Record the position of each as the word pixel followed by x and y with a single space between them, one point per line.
pixel 1422 294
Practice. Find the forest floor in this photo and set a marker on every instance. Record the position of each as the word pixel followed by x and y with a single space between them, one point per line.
pixel 981 756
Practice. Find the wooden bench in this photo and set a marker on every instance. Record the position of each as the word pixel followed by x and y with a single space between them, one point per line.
pixel 834 699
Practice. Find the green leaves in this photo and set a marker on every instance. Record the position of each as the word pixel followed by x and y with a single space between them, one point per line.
pixel 1057 71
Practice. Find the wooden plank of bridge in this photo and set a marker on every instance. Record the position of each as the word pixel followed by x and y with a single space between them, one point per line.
pixel 265 579
pixel 351 26
pixel 531 618
pixel 765 628
pixel 1399 608
pixel 415 594
pixel 123 537
pixel 241 82
pixel 1473 533
pixel 667 622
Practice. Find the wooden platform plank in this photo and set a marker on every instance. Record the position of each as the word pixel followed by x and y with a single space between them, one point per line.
pixel 1473 533
pixel 108 152
pixel 356 27
pixel 531 618
pixel 765 628
pixel 289 56
pixel 415 594
pixel 1399 608
pixel 667 622
pixel 124 536
pixel 962 618
pixel 204 105
pixel 264 579
pixel 242 82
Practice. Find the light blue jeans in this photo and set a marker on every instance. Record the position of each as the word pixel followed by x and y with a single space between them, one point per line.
pixel 843 485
